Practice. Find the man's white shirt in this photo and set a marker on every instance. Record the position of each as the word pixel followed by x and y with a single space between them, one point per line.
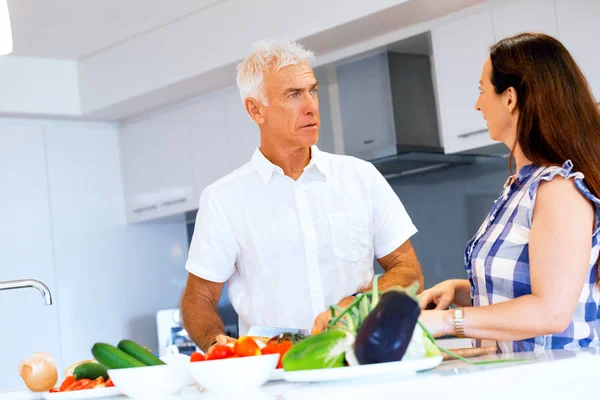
pixel 289 249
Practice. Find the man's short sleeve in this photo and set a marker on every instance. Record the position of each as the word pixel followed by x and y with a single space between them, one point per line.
pixel 213 248
pixel 392 225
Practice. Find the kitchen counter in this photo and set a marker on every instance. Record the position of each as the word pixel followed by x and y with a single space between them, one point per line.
pixel 565 374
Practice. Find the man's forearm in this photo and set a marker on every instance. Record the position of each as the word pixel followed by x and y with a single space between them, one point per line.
pixel 202 322
pixel 399 276
pixel 402 269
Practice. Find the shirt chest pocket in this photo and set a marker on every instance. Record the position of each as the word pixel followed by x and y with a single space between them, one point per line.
pixel 350 235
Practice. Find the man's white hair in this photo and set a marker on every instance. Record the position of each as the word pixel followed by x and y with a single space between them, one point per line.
pixel 266 56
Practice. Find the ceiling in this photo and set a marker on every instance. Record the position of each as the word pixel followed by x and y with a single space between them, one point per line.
pixel 74 29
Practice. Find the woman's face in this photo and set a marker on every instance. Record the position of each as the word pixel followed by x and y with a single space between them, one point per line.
pixel 499 110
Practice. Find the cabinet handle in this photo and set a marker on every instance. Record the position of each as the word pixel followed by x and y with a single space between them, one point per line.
pixel 143 209
pixel 174 201
pixel 464 135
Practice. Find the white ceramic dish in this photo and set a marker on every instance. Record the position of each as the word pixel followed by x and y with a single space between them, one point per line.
pixel 96 393
pixel 20 394
pixel 276 375
pixel 234 374
pixel 399 368
pixel 151 382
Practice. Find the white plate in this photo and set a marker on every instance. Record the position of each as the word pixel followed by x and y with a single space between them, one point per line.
pixel 95 393
pixel 277 375
pixel 400 368
pixel 20 394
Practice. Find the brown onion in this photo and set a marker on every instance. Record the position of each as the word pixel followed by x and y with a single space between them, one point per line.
pixel 39 372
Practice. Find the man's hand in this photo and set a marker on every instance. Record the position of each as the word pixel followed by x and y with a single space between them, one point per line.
pixel 221 340
pixel 323 318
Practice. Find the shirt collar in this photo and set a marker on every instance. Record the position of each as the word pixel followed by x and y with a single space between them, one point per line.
pixel 522 174
pixel 266 168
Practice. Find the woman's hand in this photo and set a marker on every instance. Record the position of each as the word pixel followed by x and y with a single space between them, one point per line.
pixel 438 322
pixel 442 295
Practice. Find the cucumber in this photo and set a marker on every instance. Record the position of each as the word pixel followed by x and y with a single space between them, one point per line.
pixel 90 371
pixel 137 351
pixel 113 358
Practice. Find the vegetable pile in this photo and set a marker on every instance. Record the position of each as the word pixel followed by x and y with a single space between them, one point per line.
pixel 94 373
pixel 246 346
pixel 375 328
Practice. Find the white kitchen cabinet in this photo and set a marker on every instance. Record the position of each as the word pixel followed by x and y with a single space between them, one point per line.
pixel 209 141
pixel 579 30
pixel 366 107
pixel 27 326
pixel 157 166
pixel 243 133
pixel 525 16
pixel 223 137
pixel 459 50
pixel 101 262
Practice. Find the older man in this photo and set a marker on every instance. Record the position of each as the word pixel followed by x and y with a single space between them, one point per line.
pixel 295 229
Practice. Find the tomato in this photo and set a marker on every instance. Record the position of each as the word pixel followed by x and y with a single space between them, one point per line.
pixel 246 347
pixel 219 352
pixel 109 383
pixel 278 348
pixel 70 380
pixel 195 356
pixel 78 385
pixel 97 382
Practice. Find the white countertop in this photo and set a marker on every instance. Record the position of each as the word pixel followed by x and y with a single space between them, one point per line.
pixel 561 374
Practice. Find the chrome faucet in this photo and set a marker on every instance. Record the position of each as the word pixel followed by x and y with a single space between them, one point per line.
pixel 7 285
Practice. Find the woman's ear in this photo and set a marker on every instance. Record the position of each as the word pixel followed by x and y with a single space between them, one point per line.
pixel 255 110
pixel 511 99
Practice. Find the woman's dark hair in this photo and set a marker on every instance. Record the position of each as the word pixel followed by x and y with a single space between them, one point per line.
pixel 559 119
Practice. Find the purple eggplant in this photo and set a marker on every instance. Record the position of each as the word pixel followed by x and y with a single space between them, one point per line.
pixel 385 334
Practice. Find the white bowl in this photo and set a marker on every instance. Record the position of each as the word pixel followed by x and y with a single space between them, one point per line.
pixel 234 374
pixel 151 382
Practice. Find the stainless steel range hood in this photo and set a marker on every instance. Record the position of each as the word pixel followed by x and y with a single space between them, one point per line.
pixel 417 162
pixel 397 84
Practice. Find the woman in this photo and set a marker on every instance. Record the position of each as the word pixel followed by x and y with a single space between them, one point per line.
pixel 533 264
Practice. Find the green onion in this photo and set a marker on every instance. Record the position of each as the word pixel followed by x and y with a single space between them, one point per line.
pixel 375 292
pixel 348 310
pixel 451 354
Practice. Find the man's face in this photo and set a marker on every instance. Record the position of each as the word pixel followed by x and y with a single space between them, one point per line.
pixel 292 117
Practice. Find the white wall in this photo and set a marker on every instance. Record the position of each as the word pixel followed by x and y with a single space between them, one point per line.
pixel 39 86
pixel 65 215
pixel 112 277
pixel 26 250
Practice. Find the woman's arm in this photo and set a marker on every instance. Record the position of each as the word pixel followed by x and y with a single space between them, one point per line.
pixel 559 251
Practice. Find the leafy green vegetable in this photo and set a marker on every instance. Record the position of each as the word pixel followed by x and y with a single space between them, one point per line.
pixel 323 350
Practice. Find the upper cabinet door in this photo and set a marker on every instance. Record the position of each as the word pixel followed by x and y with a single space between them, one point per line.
pixel 174 170
pixel 243 133
pixel 525 16
pixel 157 166
pixel 140 185
pixel 579 30
pixel 209 141
pixel 459 50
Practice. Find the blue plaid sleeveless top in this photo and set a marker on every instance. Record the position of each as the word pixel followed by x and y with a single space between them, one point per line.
pixel 497 259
